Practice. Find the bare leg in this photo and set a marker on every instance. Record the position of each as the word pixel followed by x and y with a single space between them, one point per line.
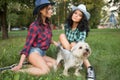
pixel 40 65
pixel 33 71
pixel 50 61
pixel 63 40
pixel 38 68
pixel 86 63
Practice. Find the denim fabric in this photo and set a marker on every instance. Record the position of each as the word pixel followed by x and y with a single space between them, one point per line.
pixel 41 52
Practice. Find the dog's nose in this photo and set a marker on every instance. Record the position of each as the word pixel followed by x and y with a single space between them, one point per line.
pixel 87 50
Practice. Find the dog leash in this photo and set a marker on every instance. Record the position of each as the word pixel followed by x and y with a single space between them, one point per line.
pixel 10 67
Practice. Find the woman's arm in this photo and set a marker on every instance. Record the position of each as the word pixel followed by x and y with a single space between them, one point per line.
pixel 19 66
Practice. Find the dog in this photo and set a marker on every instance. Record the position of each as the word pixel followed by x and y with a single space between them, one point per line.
pixel 73 58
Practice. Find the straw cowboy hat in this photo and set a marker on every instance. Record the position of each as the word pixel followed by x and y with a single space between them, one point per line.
pixel 39 4
pixel 83 9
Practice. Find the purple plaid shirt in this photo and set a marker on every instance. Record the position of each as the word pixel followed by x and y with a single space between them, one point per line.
pixel 38 36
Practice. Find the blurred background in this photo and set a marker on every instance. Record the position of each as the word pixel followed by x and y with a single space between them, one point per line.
pixel 17 14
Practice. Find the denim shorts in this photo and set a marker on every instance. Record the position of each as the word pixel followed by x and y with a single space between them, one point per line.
pixel 38 50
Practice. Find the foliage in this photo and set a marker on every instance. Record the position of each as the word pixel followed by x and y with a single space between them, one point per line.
pixel 105 56
pixel 12 19
pixel 22 9
pixel 3 14
pixel 19 8
pixel 22 14
pixel 95 11
pixel 62 10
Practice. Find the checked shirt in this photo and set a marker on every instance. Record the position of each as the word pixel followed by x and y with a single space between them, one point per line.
pixel 74 35
pixel 38 36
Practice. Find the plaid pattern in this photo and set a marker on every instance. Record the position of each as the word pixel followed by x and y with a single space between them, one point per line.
pixel 74 35
pixel 38 36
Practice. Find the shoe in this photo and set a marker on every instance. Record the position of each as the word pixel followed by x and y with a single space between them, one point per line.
pixel 90 73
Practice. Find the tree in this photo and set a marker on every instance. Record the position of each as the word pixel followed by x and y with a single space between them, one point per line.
pixel 12 20
pixel 13 8
pixel 3 14
pixel 61 9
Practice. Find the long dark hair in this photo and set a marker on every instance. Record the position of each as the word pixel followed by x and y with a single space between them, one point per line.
pixel 39 16
pixel 82 25
pixel 40 20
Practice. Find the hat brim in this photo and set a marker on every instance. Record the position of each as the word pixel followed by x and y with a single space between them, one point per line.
pixel 36 9
pixel 87 14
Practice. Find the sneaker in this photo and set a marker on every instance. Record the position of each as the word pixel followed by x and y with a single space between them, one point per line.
pixel 90 73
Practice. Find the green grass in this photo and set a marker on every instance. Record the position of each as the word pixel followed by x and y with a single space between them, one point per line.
pixel 105 58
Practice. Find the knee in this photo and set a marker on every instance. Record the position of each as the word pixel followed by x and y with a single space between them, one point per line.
pixel 51 64
pixel 62 36
pixel 54 63
pixel 46 71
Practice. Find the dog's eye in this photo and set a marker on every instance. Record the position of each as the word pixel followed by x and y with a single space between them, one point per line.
pixel 80 47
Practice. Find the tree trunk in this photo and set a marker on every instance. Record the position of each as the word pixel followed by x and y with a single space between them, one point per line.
pixel 9 26
pixel 4 29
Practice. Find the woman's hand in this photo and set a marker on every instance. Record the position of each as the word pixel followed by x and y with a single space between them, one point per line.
pixel 72 44
pixel 54 42
pixel 19 66
pixel 16 68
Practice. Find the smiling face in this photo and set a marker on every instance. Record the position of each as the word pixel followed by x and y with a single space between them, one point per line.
pixel 77 16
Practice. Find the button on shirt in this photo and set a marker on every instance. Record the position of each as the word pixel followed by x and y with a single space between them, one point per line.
pixel 38 36
pixel 74 35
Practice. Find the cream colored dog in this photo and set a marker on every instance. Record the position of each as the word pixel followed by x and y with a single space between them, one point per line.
pixel 73 58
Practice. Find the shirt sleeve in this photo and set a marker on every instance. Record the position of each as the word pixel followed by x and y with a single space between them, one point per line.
pixel 82 36
pixel 32 33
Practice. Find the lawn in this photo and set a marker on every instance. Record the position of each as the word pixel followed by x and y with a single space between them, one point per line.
pixel 105 58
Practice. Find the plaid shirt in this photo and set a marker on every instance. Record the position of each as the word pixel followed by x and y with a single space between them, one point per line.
pixel 74 35
pixel 38 36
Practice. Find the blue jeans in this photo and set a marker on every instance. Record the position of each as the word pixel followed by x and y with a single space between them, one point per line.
pixel 38 50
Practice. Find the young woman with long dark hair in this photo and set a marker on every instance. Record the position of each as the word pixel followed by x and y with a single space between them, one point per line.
pixel 76 29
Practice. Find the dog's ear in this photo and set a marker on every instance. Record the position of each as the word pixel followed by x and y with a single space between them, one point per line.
pixel 74 47
pixel 77 45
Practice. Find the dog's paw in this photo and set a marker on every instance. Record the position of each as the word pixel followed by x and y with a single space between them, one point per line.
pixel 77 74
pixel 66 74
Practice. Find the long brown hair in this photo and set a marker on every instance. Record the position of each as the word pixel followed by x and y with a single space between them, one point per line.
pixel 39 17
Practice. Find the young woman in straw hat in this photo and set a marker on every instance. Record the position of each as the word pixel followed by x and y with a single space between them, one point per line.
pixel 38 41
pixel 76 29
